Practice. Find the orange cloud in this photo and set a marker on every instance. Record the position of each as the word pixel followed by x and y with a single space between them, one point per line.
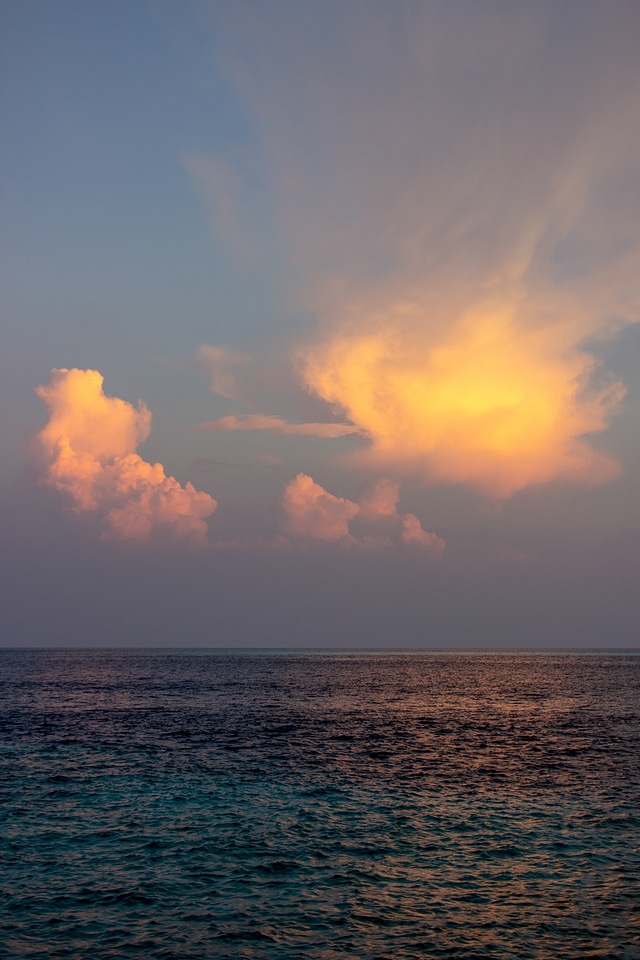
pixel 87 450
pixel 260 421
pixel 489 400
pixel 460 240
pixel 373 523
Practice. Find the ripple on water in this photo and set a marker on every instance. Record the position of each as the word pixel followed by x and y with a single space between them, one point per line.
pixel 405 806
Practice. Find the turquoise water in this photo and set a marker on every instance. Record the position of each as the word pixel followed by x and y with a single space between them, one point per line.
pixel 286 805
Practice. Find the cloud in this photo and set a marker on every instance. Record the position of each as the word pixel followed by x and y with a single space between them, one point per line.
pixel 379 499
pixel 268 460
pixel 277 425
pixel 311 512
pixel 221 188
pixel 87 451
pixel 456 194
pixel 378 517
pixel 227 370
pixel 262 381
pixel 373 523
pixel 491 401
pixel 412 534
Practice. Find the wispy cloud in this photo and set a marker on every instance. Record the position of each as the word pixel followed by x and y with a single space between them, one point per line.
pixel 453 186
pixel 220 186
pixel 227 370
pixel 277 425
pixel 262 381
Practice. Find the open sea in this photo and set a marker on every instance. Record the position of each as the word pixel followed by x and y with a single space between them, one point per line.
pixel 161 804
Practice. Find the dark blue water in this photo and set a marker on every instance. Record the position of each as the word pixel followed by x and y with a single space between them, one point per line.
pixel 324 806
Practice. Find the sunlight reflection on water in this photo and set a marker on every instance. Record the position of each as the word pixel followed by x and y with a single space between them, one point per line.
pixel 219 805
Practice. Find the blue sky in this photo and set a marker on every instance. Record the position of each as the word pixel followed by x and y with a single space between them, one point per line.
pixel 414 226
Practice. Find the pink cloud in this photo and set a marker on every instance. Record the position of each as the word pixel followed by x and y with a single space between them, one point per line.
pixel 412 535
pixel 379 499
pixel 373 523
pixel 311 512
pixel 378 504
pixel 259 421
pixel 87 450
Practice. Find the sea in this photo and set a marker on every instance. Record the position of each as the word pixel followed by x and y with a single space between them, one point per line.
pixel 375 805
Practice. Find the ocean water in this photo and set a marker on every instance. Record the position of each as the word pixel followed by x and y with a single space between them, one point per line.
pixel 289 805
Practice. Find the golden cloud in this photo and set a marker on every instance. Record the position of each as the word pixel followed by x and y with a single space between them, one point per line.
pixel 456 200
pixel 488 400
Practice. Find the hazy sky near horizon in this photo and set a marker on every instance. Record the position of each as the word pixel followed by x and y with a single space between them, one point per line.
pixel 320 323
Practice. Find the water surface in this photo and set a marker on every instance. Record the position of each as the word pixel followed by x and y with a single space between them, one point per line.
pixel 231 805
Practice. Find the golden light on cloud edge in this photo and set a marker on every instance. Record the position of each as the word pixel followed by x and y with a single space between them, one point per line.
pixel 490 401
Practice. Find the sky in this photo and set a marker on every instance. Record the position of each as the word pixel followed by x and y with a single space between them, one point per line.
pixel 320 323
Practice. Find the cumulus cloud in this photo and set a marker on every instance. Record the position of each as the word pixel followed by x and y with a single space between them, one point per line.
pixel 456 192
pixel 379 499
pixel 275 424
pixel 412 534
pixel 310 511
pixel 373 523
pixel 491 401
pixel 87 450
pixel 378 517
